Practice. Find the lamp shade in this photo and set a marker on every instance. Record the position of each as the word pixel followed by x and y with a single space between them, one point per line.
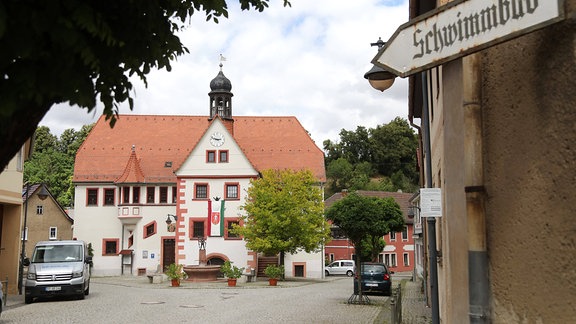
pixel 379 78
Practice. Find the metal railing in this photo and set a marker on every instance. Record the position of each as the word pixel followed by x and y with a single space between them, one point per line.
pixel 396 305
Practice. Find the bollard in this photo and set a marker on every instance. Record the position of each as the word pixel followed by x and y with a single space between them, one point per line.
pixel 396 305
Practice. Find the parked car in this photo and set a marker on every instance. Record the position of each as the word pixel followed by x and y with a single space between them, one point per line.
pixel 376 279
pixel 340 267
pixel 58 268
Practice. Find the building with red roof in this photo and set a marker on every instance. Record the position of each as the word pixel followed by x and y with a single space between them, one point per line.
pixel 189 171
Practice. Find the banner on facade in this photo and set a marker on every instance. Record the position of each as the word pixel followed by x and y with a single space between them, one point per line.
pixel 216 217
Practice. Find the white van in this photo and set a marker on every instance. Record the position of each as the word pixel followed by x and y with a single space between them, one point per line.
pixel 58 268
pixel 340 267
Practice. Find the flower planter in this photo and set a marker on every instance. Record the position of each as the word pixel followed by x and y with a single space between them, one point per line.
pixel 175 283
pixel 272 281
pixel 232 282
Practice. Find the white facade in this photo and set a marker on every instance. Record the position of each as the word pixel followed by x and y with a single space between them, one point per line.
pixel 141 231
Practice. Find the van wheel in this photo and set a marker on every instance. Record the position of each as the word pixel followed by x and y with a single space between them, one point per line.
pixel 87 291
pixel 28 299
pixel 349 273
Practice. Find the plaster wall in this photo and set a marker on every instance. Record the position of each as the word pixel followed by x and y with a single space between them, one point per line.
pixel 11 221
pixel 39 224
pixel 530 174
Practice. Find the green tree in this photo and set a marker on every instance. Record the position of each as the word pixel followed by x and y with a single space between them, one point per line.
pixel 80 52
pixel 387 152
pixel 365 220
pixel 394 149
pixel 284 213
pixel 53 159
pixel 371 248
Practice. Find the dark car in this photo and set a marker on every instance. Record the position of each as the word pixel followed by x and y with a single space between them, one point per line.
pixel 375 279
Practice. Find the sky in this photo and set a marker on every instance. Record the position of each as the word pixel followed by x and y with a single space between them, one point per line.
pixel 306 61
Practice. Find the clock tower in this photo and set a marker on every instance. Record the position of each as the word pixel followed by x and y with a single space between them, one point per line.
pixel 220 97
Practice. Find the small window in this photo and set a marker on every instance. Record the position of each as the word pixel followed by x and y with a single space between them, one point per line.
pixel 53 233
pixel 392 236
pixel 201 191
pixel 163 195
pixel 150 195
pixel 223 156
pixel 136 195
pixel 39 210
pixel 92 197
pixel 406 260
pixel 229 226
pixel 211 156
pixel 126 195
pixel 110 246
pixel 174 195
pixel 109 197
pixel 198 229
pixel 405 234
pixel 168 164
pixel 149 229
pixel 232 191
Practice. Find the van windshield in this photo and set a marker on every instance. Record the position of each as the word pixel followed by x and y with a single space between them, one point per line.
pixel 57 253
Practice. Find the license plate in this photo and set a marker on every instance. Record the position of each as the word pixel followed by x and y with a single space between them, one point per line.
pixel 371 285
pixel 55 288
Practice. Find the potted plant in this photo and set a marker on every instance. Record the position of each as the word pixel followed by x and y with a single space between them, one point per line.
pixel 274 272
pixel 176 273
pixel 231 272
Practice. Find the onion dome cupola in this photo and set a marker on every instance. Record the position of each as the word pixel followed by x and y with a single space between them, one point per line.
pixel 220 96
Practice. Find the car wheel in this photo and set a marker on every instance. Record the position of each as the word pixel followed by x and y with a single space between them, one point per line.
pixel 349 273
pixel 28 299
pixel 327 273
pixel 87 291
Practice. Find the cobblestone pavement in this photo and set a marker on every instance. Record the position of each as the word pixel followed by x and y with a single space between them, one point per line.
pixel 414 309
pixel 307 303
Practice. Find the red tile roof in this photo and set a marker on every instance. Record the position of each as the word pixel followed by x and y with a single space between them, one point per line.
pixel 268 142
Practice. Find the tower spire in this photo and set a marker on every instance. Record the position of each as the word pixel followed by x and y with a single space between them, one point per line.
pixel 221 95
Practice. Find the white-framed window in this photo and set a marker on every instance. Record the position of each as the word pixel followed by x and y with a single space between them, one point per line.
pixel 392 236
pixel 405 234
pixel 390 259
pixel 39 210
pixel 53 233
pixel 406 258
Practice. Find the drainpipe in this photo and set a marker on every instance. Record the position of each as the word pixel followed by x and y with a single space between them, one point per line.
pixel 479 311
pixel 431 221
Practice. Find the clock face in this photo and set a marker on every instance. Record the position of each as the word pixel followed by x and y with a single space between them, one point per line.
pixel 217 139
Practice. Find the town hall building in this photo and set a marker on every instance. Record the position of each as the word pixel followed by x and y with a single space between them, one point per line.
pixel 154 187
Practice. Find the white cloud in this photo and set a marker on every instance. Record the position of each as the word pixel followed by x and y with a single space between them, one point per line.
pixel 306 61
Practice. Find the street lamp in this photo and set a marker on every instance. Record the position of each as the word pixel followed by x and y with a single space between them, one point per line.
pixel 169 221
pixel 379 78
pixel 42 194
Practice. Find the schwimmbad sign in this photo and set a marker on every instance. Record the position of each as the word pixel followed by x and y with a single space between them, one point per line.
pixel 460 28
